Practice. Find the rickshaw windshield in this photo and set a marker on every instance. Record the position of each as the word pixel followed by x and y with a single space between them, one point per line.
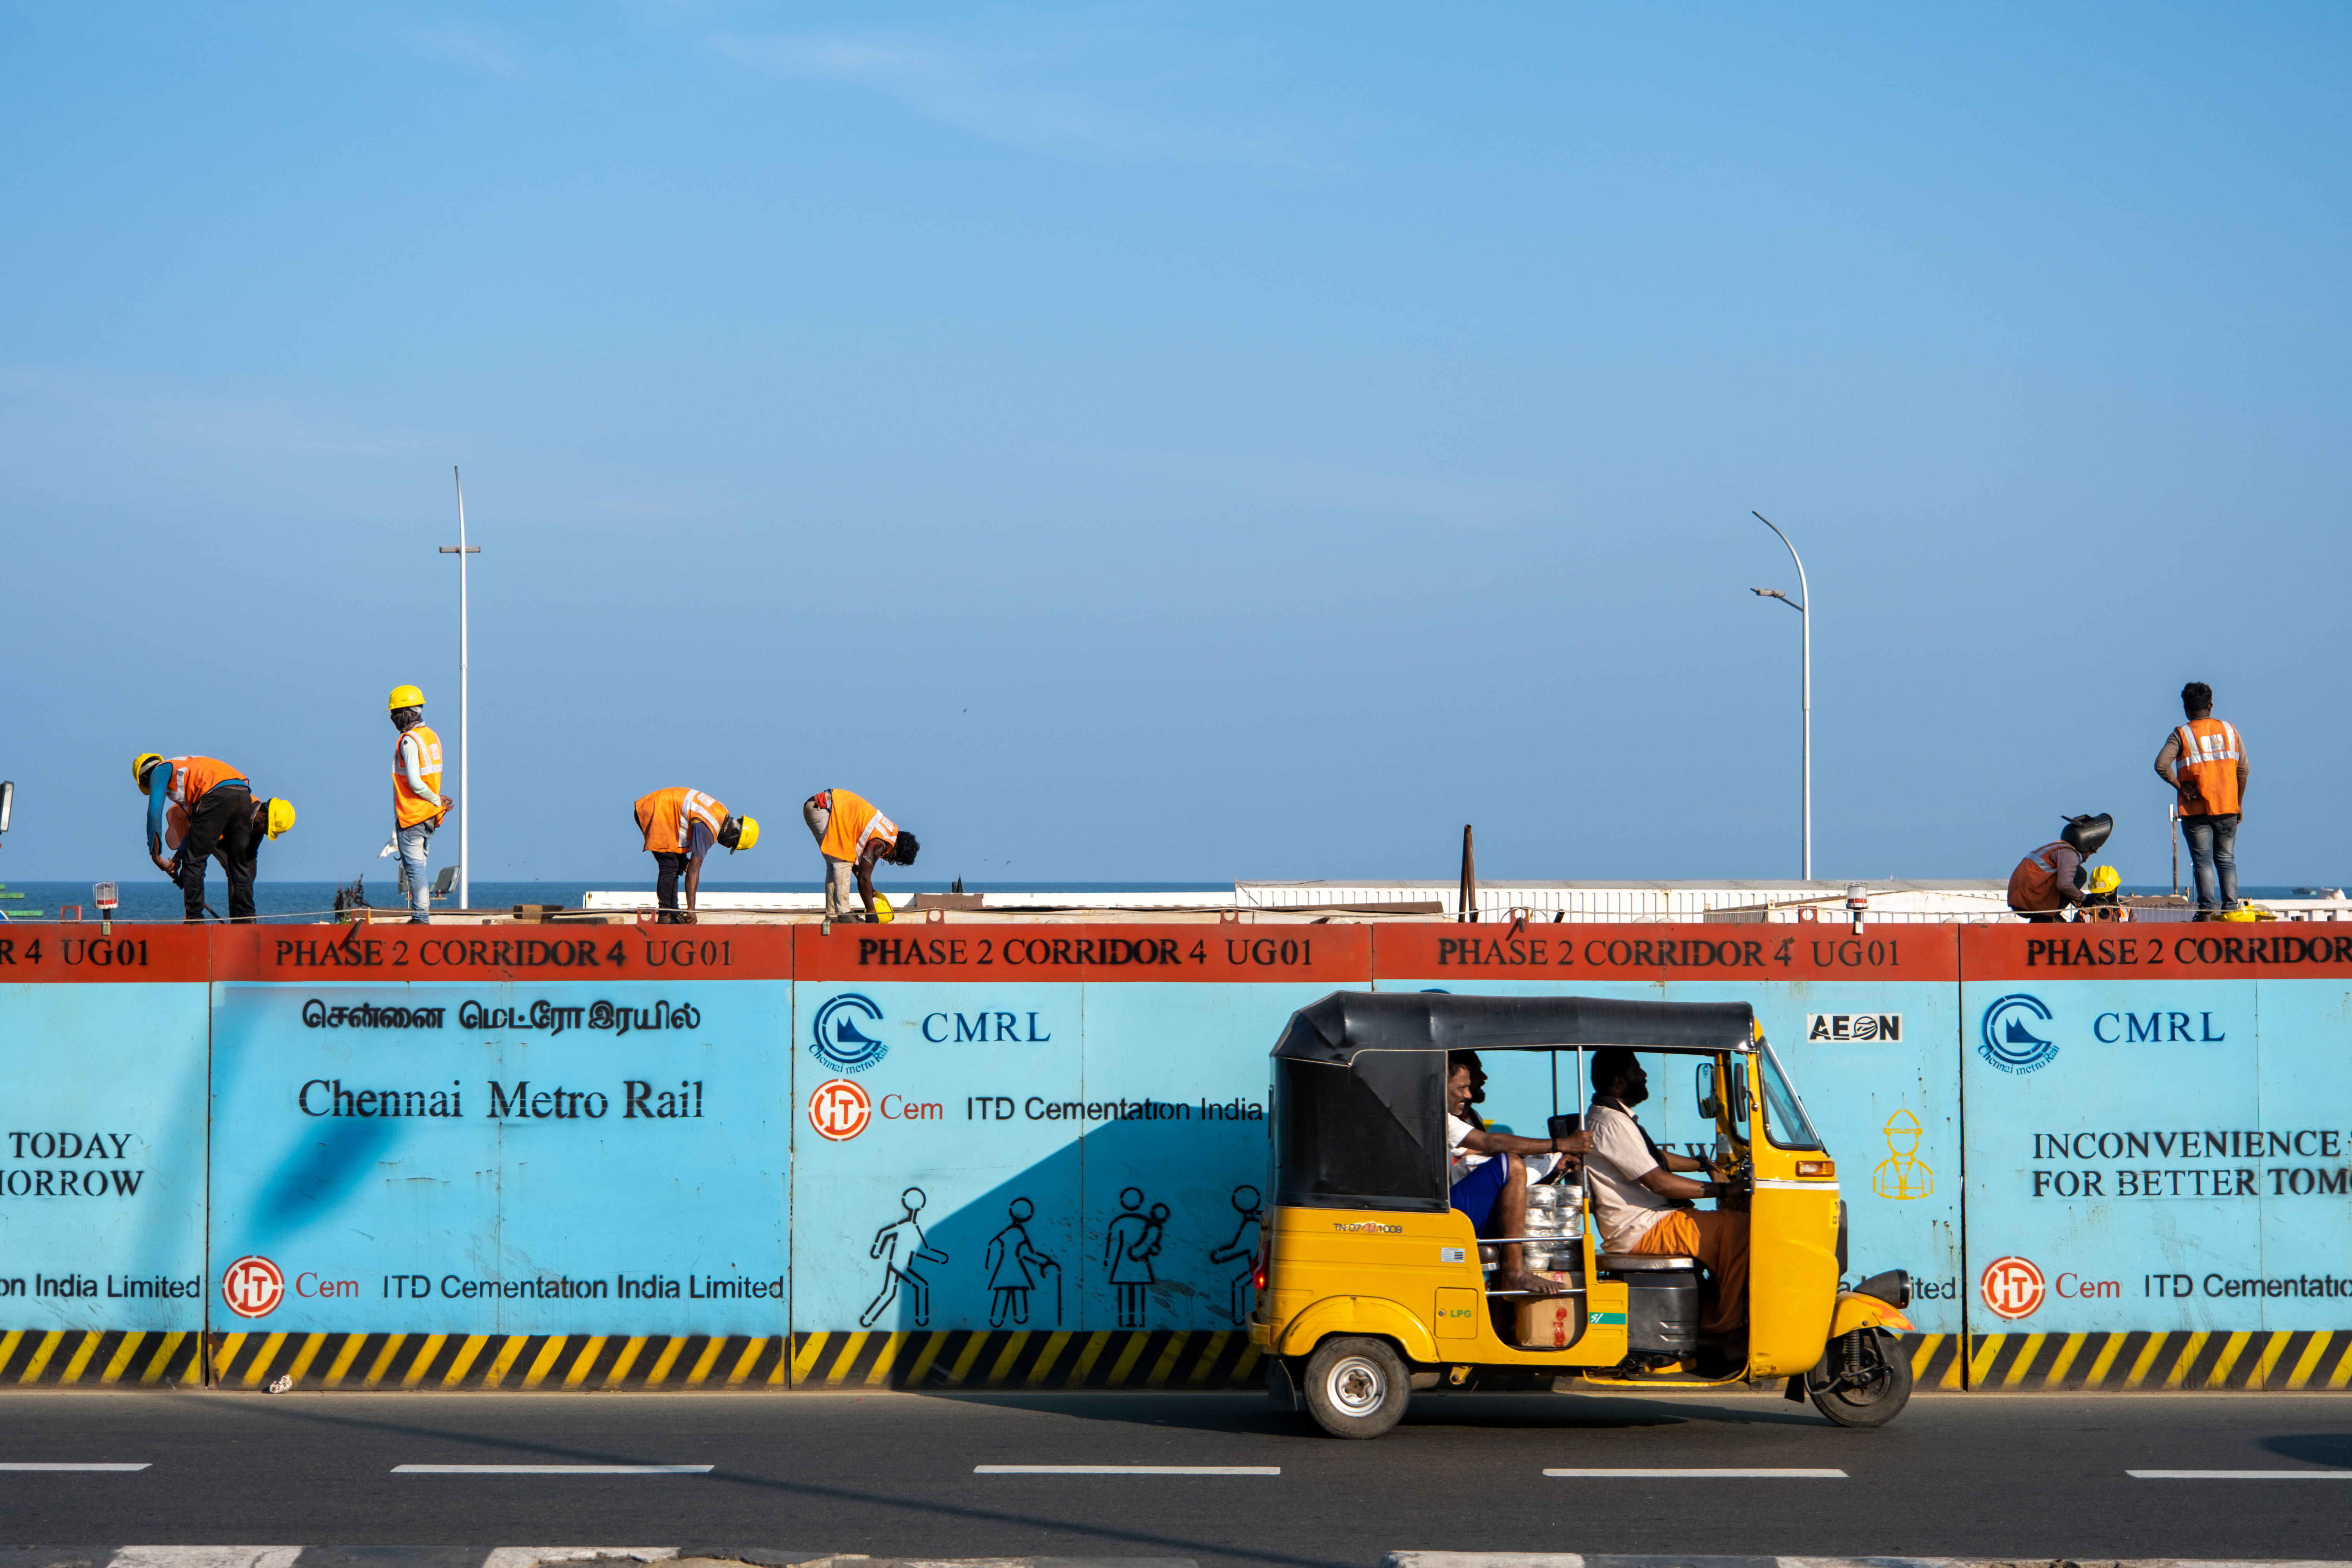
pixel 1785 1121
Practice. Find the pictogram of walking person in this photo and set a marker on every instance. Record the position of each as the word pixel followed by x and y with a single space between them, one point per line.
pixel 1133 1242
pixel 1243 1248
pixel 1013 1264
pixel 906 1232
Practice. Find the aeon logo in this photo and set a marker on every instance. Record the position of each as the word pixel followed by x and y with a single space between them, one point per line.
pixel 252 1286
pixel 839 1110
pixel 2011 1287
pixel 2012 1038
pixel 840 1043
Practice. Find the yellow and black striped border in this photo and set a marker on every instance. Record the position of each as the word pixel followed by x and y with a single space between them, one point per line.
pixel 983 1358
pixel 57 1357
pixel 549 1362
pixel 1935 1359
pixel 2162 1363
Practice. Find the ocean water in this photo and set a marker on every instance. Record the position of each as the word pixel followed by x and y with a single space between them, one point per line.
pixel 153 898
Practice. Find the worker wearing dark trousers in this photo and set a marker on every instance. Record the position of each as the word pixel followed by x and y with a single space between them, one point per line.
pixel 219 803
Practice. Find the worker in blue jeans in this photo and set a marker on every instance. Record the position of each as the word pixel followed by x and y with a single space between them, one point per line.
pixel 2204 760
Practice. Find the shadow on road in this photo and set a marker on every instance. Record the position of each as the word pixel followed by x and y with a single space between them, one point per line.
pixel 2313 1447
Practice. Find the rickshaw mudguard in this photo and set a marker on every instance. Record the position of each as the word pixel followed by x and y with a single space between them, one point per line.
pixel 1854 1311
pixel 1358 1315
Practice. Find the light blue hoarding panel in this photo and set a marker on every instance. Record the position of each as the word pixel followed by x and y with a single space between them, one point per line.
pixel 1886 1103
pixel 497 1158
pixel 1053 1155
pixel 103 1157
pixel 2158 1155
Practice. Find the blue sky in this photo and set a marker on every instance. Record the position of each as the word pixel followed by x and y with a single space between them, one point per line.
pixel 1147 441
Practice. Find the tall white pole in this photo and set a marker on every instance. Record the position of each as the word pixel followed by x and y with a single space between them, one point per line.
pixel 1805 646
pixel 465 735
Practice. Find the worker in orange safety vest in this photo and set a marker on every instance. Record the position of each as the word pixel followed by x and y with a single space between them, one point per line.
pixel 418 806
pixel 851 834
pixel 2204 761
pixel 219 818
pixel 681 825
pixel 2054 876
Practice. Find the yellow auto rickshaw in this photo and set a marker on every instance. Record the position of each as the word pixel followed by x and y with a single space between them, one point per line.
pixel 1370 1286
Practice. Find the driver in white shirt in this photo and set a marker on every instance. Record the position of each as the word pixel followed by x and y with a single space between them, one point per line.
pixel 1644 1207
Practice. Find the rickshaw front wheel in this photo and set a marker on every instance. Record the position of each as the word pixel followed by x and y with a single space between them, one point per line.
pixel 1356 1386
pixel 1865 1379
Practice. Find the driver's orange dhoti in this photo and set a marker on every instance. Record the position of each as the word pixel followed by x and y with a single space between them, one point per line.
pixel 1719 1242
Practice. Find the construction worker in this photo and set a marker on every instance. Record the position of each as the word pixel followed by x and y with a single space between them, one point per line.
pixel 851 834
pixel 418 806
pixel 681 825
pixel 222 818
pixel 2054 876
pixel 2204 761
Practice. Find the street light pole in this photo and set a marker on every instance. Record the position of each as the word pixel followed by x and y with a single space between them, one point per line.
pixel 465 745
pixel 1804 611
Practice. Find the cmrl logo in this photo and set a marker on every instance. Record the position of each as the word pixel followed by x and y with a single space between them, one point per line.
pixel 2011 1287
pixel 2015 1035
pixel 839 1110
pixel 252 1286
pixel 840 1043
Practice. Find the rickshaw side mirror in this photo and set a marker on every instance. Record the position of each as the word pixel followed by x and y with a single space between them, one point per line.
pixel 1740 1107
pixel 1708 1106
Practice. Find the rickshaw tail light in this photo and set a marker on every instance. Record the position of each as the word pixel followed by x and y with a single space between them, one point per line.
pixel 1820 1169
pixel 1264 1263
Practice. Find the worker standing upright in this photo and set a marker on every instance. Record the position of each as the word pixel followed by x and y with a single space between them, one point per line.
pixel 418 806
pixel 681 825
pixel 223 818
pixel 851 834
pixel 2204 761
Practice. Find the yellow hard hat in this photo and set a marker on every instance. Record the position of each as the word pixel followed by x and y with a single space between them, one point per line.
pixel 139 766
pixel 2106 879
pixel 746 834
pixel 882 910
pixel 404 696
pixel 281 816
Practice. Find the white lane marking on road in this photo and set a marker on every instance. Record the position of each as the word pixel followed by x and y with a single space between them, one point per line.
pixel 1702 1475
pixel 205 1557
pixel 1127 1469
pixel 552 1470
pixel 535 1556
pixel 2240 1475
pixel 12 1465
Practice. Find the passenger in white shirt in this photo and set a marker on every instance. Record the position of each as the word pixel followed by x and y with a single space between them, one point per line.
pixel 1488 1183
pixel 1644 1207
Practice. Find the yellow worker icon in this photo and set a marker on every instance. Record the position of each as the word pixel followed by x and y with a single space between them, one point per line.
pixel 1903 1175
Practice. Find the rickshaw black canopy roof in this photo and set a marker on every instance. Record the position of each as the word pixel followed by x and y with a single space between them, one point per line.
pixel 1360 1078
pixel 1346 1022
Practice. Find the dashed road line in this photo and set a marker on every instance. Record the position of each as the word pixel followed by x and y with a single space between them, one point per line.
pixel 2240 1475
pixel 1744 1473
pixel 17 1465
pixel 1127 1469
pixel 552 1470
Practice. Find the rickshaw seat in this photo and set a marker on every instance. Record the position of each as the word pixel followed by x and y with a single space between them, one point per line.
pixel 1644 1262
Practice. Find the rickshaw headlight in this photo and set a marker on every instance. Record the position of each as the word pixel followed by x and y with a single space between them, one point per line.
pixel 1817 1170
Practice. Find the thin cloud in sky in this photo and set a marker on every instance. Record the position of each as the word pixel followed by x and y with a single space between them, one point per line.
pixel 982 95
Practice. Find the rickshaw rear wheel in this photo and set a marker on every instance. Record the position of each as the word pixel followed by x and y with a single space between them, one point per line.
pixel 1356 1386
pixel 1865 1379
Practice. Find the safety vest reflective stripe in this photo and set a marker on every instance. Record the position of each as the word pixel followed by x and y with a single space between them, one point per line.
pixel 192 776
pixel 2208 768
pixel 409 808
pixel 2034 886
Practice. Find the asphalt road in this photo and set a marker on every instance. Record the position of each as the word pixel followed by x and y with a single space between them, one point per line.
pixel 2022 1476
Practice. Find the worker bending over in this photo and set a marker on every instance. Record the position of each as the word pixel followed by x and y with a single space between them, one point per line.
pixel 1644 1207
pixel 222 818
pixel 681 825
pixel 851 834
pixel 418 806
pixel 2055 876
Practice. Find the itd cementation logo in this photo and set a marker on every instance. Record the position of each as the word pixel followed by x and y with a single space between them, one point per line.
pixel 2016 1034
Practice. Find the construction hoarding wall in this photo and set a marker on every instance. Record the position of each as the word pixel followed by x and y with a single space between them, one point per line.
pixel 102 1152
pixel 2160 1155
pixel 1045 1147
pixel 943 1152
